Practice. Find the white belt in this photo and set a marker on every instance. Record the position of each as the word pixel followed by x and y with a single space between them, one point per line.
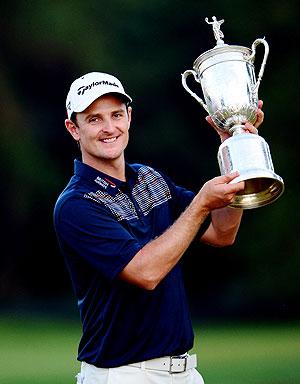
pixel 172 364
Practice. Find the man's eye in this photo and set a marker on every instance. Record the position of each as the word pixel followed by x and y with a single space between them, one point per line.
pixel 118 115
pixel 93 119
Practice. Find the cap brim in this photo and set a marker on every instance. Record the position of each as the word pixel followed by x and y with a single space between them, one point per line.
pixel 88 102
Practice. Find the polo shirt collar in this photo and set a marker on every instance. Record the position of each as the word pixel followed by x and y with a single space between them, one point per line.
pixel 102 180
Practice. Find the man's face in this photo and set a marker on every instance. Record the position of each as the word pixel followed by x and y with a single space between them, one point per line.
pixel 102 130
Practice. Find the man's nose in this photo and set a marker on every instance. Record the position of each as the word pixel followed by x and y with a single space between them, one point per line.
pixel 108 126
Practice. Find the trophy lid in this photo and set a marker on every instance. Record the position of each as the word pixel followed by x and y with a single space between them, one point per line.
pixel 237 51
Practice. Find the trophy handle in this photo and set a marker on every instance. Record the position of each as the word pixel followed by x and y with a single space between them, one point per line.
pixel 184 77
pixel 263 64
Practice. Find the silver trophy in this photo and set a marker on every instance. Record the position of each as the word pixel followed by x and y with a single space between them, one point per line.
pixel 230 88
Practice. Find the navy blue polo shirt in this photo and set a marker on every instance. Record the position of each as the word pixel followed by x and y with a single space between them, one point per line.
pixel 101 223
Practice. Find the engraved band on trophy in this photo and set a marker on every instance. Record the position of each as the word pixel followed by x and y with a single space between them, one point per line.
pixel 227 77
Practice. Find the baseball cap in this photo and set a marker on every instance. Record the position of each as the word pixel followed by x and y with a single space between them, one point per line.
pixel 89 87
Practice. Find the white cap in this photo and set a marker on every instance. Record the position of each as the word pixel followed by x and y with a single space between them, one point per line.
pixel 88 88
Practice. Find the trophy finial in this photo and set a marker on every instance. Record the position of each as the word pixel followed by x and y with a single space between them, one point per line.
pixel 219 35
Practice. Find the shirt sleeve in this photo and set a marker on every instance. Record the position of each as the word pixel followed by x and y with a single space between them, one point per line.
pixel 89 231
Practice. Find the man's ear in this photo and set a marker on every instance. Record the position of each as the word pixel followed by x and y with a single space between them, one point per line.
pixel 73 129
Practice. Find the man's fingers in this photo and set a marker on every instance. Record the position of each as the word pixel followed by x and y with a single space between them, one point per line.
pixel 210 121
pixel 235 187
pixel 251 128
pixel 225 179
pixel 231 187
pixel 221 190
pixel 259 114
pixel 259 118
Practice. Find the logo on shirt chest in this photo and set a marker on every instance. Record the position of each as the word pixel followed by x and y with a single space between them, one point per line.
pixel 150 191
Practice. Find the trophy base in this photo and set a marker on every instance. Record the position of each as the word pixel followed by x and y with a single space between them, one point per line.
pixel 259 190
pixel 250 155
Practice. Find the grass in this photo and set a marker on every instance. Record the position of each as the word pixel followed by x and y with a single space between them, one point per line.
pixel 43 351
pixel 256 354
pixel 38 351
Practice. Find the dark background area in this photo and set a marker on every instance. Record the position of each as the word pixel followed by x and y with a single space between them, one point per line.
pixel 45 45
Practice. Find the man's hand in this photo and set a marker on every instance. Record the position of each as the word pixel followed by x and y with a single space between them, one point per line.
pixel 218 193
pixel 248 127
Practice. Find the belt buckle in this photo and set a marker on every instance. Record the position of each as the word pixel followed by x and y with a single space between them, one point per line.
pixel 172 364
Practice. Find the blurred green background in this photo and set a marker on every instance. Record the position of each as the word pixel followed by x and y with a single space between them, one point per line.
pixel 45 45
pixel 41 350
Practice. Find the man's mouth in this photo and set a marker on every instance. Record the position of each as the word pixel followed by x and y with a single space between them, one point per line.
pixel 109 139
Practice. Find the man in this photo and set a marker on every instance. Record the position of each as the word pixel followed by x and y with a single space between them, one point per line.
pixel 122 229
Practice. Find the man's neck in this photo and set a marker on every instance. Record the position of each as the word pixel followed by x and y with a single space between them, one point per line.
pixel 114 168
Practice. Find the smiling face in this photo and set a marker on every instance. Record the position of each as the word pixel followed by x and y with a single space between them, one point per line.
pixel 102 131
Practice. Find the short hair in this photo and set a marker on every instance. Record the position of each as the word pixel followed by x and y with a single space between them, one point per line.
pixel 74 118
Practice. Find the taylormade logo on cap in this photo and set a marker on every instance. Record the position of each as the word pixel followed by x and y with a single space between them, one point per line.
pixel 81 90
pixel 86 89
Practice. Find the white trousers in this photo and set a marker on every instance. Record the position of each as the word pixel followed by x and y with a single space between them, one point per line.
pixel 126 374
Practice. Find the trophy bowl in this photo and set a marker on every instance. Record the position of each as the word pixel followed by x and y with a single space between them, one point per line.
pixel 227 77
